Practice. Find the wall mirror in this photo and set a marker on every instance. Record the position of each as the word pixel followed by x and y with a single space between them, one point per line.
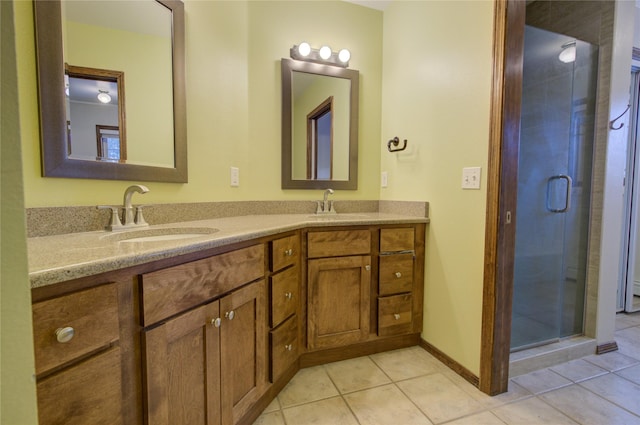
pixel 319 126
pixel 88 50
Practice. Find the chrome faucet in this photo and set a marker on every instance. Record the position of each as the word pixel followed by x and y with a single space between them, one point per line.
pixel 128 217
pixel 129 220
pixel 325 206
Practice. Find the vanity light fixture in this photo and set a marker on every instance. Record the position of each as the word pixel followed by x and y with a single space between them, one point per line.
pixel 324 55
pixel 103 96
pixel 568 53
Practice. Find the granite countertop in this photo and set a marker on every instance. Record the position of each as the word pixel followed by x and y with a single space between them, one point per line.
pixel 54 259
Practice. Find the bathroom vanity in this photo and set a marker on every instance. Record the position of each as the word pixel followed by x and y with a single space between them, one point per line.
pixel 208 328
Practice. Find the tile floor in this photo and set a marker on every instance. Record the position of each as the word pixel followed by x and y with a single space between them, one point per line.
pixel 410 387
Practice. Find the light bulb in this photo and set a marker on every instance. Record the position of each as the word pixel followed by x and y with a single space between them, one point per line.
pixel 568 53
pixel 325 52
pixel 344 55
pixel 304 49
pixel 104 97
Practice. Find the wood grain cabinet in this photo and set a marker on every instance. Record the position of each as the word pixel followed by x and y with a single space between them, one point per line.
pixel 396 281
pixel 284 296
pixel 206 365
pixel 78 369
pixel 339 286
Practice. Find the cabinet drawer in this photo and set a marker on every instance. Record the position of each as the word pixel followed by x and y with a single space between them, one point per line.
pixel 285 252
pixel 338 243
pixel 284 295
pixel 394 314
pixel 393 240
pixel 284 347
pixel 396 273
pixel 87 393
pixel 92 314
pixel 173 290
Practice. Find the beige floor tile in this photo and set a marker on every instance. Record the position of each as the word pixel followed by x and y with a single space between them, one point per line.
pixel 385 405
pixel 631 373
pixel 531 411
pixel 624 320
pixel 612 361
pixel 541 380
pixel 407 363
pixel 307 385
pixel 270 418
pixel 578 370
pixel 514 392
pixel 332 411
pixel 629 342
pixel 273 406
pixel 439 397
pixel 586 408
pixel 616 389
pixel 484 418
pixel 356 374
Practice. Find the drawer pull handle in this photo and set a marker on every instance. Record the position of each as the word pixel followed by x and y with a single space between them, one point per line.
pixel 65 334
pixel 367 267
pixel 288 347
pixel 230 314
pixel 398 275
pixel 288 295
pixel 216 322
pixel 396 316
pixel 288 252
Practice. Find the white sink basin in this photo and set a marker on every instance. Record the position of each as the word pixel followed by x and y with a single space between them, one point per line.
pixel 163 234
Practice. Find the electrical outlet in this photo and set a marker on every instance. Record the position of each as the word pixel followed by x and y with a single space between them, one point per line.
pixel 471 178
pixel 235 177
pixel 384 179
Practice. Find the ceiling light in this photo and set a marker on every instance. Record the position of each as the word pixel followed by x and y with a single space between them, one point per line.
pixel 568 53
pixel 103 96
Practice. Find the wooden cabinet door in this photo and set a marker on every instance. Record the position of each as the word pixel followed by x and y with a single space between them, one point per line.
pixel 243 337
pixel 87 393
pixel 338 307
pixel 182 360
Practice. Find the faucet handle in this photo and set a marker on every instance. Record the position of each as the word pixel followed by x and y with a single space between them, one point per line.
pixel 139 219
pixel 114 222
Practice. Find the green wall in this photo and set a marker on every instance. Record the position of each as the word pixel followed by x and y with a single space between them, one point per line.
pixel 17 387
pixel 436 94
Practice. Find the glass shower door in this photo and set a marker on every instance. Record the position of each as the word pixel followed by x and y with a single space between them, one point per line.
pixel 554 185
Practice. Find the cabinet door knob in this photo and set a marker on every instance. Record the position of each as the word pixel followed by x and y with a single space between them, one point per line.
pixel 65 334
pixel 230 315
pixel 288 347
pixel 288 295
pixel 216 322
pixel 367 267
pixel 288 252
pixel 396 316
pixel 398 275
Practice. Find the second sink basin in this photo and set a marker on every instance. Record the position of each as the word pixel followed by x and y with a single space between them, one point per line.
pixel 162 234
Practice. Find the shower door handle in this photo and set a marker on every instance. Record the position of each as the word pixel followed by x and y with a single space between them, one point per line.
pixel 567 199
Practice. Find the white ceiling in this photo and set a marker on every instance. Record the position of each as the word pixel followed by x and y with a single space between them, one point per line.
pixel 375 4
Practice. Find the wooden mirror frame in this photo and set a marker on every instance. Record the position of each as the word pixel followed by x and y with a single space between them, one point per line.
pixel 287 67
pixel 53 120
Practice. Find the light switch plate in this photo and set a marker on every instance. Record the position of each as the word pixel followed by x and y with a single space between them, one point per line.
pixel 384 179
pixel 235 177
pixel 471 178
